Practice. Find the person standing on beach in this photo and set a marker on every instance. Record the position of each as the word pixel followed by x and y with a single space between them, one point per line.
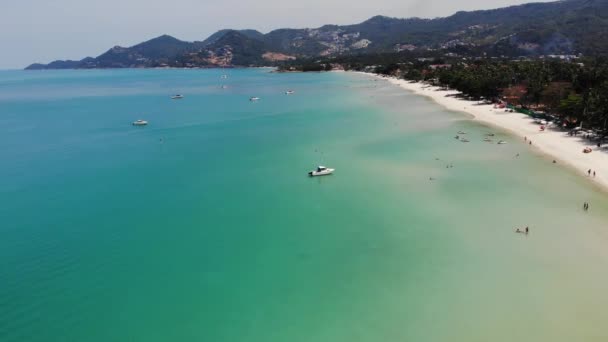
pixel 589 172
pixel 593 174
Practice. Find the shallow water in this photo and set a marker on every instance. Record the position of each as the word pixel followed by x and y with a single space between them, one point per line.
pixel 204 226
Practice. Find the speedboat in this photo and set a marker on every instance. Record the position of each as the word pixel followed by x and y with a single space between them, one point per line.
pixel 224 76
pixel 487 140
pixel 502 142
pixel 321 171
pixel 462 132
pixel 177 97
pixel 464 140
pixel 254 99
pixel 290 92
pixel 140 123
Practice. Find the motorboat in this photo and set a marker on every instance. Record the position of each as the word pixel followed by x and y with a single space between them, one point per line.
pixel 290 92
pixel 502 142
pixel 140 123
pixel 224 76
pixel 462 132
pixel 254 99
pixel 487 140
pixel 465 140
pixel 489 134
pixel 321 171
pixel 177 97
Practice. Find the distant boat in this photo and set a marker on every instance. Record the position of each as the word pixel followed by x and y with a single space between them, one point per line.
pixel 224 87
pixel 487 140
pixel 462 132
pixel 321 171
pixel 177 97
pixel 254 99
pixel 502 142
pixel 140 123
pixel 290 92
pixel 464 140
pixel 224 76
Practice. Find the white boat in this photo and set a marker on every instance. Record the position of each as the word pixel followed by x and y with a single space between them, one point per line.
pixel 290 92
pixel 254 99
pixel 177 97
pixel 140 123
pixel 487 140
pixel 321 171
pixel 224 87
pixel 224 76
pixel 462 132
pixel 464 140
pixel 502 142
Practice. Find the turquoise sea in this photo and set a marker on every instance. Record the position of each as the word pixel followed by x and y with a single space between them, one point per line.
pixel 203 226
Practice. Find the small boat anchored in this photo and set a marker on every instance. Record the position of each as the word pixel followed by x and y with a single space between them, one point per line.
pixel 462 132
pixel 290 92
pixel 177 97
pixel 254 99
pixel 140 123
pixel 502 142
pixel 321 171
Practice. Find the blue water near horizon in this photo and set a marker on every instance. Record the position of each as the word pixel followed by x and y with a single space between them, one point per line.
pixel 203 226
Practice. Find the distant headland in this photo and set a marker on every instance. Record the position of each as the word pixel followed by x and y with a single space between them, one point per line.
pixel 570 27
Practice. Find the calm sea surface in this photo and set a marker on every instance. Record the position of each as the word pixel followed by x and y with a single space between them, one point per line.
pixel 203 226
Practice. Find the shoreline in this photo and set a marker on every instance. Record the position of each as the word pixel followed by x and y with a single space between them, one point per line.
pixel 554 143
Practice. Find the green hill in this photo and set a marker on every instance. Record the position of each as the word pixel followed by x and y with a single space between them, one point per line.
pixel 562 27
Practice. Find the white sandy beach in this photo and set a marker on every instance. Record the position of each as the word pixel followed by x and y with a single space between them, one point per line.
pixel 553 142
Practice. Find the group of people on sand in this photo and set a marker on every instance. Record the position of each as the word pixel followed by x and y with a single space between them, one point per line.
pixel 523 231
pixel 589 173
pixel 586 206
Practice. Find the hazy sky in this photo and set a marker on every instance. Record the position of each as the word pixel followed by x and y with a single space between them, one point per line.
pixel 45 30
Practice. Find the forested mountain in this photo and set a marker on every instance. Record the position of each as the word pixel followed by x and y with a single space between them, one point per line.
pixel 562 27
